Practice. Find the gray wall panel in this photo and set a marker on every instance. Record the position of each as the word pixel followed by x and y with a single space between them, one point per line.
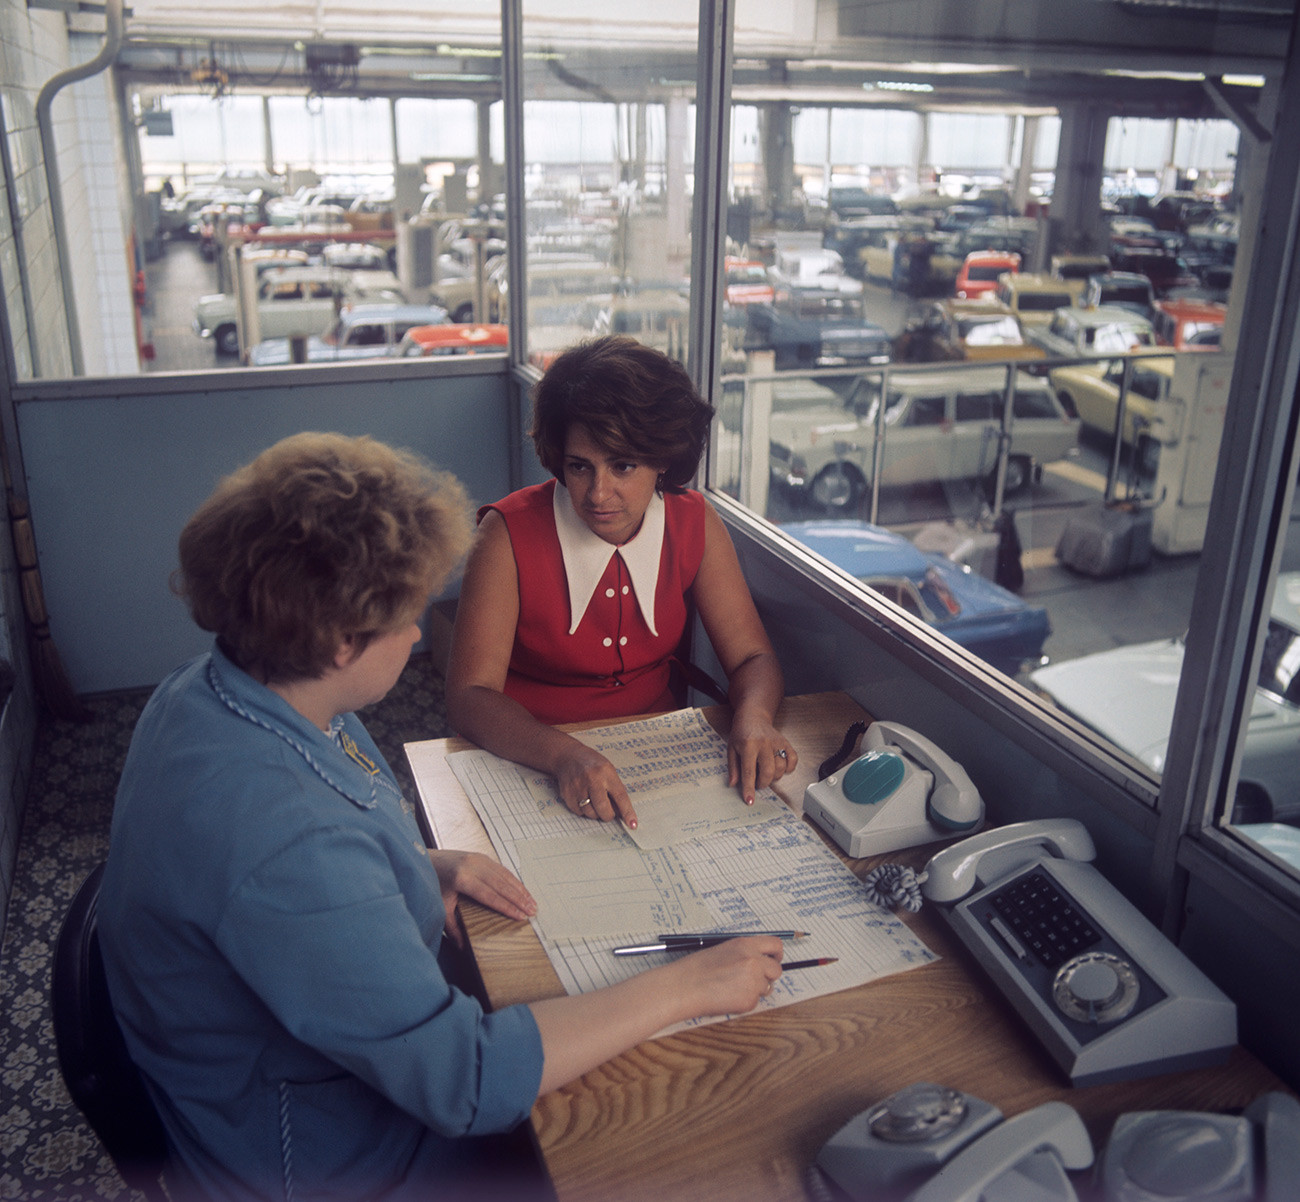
pixel 113 478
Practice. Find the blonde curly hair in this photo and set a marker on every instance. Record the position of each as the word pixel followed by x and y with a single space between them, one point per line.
pixel 321 538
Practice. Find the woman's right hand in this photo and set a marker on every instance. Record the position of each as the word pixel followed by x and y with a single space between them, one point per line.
pixel 591 788
pixel 729 978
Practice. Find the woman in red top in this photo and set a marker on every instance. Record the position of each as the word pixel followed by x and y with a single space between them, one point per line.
pixel 578 591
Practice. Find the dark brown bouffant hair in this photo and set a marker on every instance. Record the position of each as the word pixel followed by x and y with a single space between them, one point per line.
pixel 321 538
pixel 634 401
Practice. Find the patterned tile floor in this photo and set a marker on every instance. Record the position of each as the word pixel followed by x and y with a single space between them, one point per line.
pixel 46 1149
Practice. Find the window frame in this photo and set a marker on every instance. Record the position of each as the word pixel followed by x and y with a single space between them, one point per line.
pixel 1251 499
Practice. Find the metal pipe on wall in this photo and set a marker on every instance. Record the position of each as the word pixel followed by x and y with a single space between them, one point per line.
pixel 45 129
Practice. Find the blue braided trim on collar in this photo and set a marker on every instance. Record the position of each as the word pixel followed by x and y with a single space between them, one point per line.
pixel 322 770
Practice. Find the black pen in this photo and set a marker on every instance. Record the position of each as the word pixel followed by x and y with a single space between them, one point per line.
pixel 809 963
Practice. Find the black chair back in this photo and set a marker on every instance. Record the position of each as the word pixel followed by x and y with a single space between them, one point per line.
pixel 97 1069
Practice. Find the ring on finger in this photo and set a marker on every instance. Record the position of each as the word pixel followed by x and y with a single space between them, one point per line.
pixel 785 755
pixel 586 801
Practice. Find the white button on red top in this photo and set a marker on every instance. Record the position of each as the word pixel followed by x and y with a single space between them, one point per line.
pixel 609 642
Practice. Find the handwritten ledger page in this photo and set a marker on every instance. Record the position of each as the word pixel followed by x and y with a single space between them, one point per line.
pixel 700 860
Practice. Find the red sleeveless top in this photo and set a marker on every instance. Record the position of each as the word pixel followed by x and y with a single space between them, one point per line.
pixel 612 665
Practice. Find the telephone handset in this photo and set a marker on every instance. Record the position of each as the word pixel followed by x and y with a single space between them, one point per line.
pixel 1104 991
pixel 952 873
pixel 1156 1155
pixel 900 791
pixel 929 1143
pixel 894 1149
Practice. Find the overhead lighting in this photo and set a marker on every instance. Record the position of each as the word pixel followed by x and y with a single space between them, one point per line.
pixel 467 51
pixel 451 77
pixel 897 85
pixel 1175 76
pixel 1243 81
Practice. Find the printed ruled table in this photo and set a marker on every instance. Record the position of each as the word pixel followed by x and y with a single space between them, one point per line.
pixel 714 864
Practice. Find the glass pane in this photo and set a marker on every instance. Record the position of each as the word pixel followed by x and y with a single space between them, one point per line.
pixel 1266 809
pixel 1088 261
pixel 608 146
pixel 373 165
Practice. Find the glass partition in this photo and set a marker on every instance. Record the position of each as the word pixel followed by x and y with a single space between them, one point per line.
pixel 978 306
pixel 999 335
pixel 1266 812
pixel 608 147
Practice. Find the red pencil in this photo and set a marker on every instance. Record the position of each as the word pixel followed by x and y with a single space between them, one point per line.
pixel 808 963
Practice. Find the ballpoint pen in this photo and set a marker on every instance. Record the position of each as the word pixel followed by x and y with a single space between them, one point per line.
pixel 689 942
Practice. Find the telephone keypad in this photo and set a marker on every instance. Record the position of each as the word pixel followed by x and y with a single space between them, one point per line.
pixel 1044 919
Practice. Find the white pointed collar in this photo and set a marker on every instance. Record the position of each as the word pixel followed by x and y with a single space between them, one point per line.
pixel 587 555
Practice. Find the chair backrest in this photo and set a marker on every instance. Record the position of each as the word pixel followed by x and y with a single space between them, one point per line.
pixel 97 1069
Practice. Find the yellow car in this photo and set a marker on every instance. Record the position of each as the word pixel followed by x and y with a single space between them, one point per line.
pixel 1091 390
pixel 963 329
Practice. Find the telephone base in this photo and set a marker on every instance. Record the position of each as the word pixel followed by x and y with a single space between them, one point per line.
pixel 872 829
pixel 1175 1019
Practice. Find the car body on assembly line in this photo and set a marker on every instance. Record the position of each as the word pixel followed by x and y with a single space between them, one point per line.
pixel 1074 333
pixel 293 302
pixel 985 618
pixel 963 329
pixel 1121 289
pixel 453 338
pixel 1092 390
pixel 1127 694
pixel 1033 296
pixel 1190 325
pixel 369 331
pixel 978 274
pixel 936 426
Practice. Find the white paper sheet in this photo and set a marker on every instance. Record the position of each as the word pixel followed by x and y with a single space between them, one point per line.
pixel 710 863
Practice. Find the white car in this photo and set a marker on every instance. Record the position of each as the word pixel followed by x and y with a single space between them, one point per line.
pixel 293 302
pixel 938 426
pixel 1127 694
pixel 369 331
pixel 1105 330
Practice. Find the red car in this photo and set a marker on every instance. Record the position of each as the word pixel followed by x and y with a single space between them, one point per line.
pixel 1189 325
pixel 978 275
pixel 453 339
pixel 747 282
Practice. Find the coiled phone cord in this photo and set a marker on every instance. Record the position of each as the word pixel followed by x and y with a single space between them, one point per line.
pixel 894 886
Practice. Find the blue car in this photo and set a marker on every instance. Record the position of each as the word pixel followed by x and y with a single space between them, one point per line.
pixel 985 618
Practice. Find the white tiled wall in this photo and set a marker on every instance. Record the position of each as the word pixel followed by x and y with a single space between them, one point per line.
pixel 34 47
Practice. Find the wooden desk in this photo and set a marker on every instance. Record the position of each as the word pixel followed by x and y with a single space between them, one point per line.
pixel 738 1110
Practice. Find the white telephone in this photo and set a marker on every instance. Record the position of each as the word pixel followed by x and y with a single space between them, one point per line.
pixel 928 1143
pixel 1106 993
pixel 1156 1155
pixel 901 791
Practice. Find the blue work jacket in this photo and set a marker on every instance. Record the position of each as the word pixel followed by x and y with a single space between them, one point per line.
pixel 271 923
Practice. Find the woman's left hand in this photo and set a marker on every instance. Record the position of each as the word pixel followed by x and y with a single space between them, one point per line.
pixel 478 876
pixel 758 755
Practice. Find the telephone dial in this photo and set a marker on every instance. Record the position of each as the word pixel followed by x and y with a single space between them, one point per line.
pixel 929 1143
pixel 900 791
pixel 1105 992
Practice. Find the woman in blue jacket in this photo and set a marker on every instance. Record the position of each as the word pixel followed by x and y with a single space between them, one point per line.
pixel 270 919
